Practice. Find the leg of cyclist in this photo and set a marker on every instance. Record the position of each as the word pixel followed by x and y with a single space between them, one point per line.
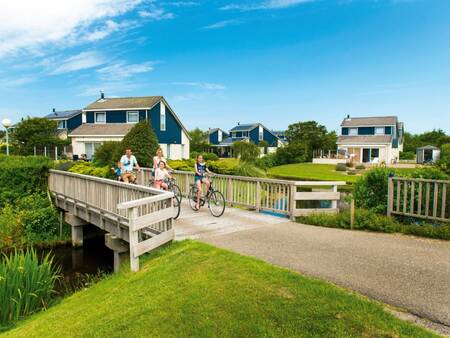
pixel 199 192
pixel 205 180
pixel 125 177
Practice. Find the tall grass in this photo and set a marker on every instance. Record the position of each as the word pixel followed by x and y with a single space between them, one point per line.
pixel 26 284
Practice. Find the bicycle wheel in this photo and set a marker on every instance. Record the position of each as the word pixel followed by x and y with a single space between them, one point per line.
pixel 216 203
pixel 177 191
pixel 193 198
pixel 176 206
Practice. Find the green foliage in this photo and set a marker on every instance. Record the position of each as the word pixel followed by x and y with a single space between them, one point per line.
pixel 206 156
pixel 341 167
pixel 143 142
pixel 370 191
pixel 199 140
pixel 224 167
pixel 267 161
pixel 372 221
pixel 26 284
pixel 433 138
pixel 360 166
pixel 35 131
pixel 183 165
pixel 246 151
pixel 292 153
pixel 20 176
pixel 444 162
pixel 247 169
pixel 312 136
pixel 407 155
pixel 88 168
pixel 108 154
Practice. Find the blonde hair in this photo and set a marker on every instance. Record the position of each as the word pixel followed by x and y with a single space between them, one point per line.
pixel 160 149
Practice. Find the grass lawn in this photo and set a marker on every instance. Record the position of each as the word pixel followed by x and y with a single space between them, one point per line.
pixel 192 289
pixel 310 171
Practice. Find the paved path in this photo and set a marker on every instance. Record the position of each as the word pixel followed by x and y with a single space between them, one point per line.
pixel 404 271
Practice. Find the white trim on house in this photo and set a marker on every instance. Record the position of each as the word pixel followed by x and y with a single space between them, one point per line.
pixel 98 113
pixel 132 112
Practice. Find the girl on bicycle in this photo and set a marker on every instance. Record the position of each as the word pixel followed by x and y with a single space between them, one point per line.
pixel 201 172
pixel 161 175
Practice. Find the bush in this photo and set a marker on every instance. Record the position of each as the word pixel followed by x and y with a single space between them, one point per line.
pixel 206 156
pixel 88 168
pixel 267 162
pixel 292 153
pixel 444 162
pixel 246 151
pixel 26 284
pixel 341 167
pixel 370 191
pixel 246 169
pixel 183 165
pixel 407 155
pixel 20 176
pixel 143 142
pixel 360 166
pixel 108 154
pixel 223 167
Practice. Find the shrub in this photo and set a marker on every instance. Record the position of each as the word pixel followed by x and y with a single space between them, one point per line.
pixel 64 165
pixel 370 190
pixel 360 166
pixel 292 153
pixel 246 169
pixel 407 155
pixel 341 167
pixel 183 165
pixel 143 142
pixel 206 156
pixel 88 168
pixel 223 167
pixel 246 151
pixel 267 162
pixel 444 162
pixel 26 285
pixel 108 154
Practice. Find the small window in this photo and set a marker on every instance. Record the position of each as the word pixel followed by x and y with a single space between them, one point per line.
pixel 245 134
pixel 100 117
pixel 219 136
pixel 168 151
pixel 62 124
pixel 353 131
pixel 132 117
pixel 162 125
pixel 379 131
pixel 261 134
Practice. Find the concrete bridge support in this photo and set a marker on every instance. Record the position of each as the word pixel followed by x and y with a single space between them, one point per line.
pixel 120 248
pixel 77 229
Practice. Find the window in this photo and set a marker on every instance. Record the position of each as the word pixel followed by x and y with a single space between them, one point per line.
pixel 162 119
pixel 379 131
pixel 245 134
pixel 219 135
pixel 261 133
pixel 62 124
pixel 100 117
pixel 168 151
pixel 353 131
pixel 132 117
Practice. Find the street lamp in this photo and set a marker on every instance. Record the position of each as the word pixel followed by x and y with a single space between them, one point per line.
pixel 7 124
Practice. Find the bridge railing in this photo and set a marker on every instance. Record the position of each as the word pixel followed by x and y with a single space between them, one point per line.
pixel 265 194
pixel 421 198
pixel 145 213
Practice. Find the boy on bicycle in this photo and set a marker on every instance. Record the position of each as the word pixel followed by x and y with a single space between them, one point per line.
pixel 201 172
pixel 127 163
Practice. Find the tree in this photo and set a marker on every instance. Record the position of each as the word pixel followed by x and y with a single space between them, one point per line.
pixel 248 152
pixel 312 135
pixel 433 138
pixel 292 153
pixel 142 140
pixel 109 153
pixel 199 140
pixel 35 132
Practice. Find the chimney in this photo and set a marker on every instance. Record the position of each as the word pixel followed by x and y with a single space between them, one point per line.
pixel 239 123
pixel 102 95
pixel 54 110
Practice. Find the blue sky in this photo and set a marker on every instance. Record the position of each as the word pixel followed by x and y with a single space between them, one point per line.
pixel 220 62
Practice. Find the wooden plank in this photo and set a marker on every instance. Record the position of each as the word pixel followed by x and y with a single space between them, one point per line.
pixel 317 196
pixel 398 196
pixel 435 199
pixel 306 212
pixel 390 196
pixel 324 183
pixel 419 197
pixel 413 197
pixel 153 243
pixel 422 216
pixel 153 218
pixel 427 200
pixel 147 200
pixel 405 195
pixel 133 240
pixel 444 200
pixel 425 180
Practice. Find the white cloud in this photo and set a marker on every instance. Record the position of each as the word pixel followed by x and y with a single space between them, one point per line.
pixel 182 3
pixel 222 24
pixel 268 4
pixel 26 26
pixel 84 60
pixel 16 82
pixel 108 28
pixel 156 14
pixel 202 85
pixel 121 70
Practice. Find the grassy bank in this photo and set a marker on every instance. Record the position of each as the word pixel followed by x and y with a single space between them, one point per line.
pixel 310 171
pixel 192 289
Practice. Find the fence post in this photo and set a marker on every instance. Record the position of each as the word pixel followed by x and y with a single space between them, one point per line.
pixel 352 213
pixel 258 196
pixel 56 153
pixel 293 201
pixel 390 196
pixel 134 239
pixel 334 202
pixel 230 192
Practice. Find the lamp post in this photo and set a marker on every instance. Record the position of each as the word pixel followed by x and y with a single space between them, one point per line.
pixel 7 124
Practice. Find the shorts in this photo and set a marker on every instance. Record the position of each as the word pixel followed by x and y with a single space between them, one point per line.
pixel 198 178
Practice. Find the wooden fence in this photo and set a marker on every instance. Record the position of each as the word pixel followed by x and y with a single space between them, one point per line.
pixel 140 215
pixel 263 194
pixel 421 198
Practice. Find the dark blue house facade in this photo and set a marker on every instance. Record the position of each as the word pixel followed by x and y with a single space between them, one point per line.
pixel 67 120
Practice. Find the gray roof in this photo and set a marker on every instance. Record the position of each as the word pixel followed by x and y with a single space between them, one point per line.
pixel 102 129
pixel 369 121
pixel 125 102
pixel 213 130
pixel 370 139
pixel 428 147
pixel 245 127
pixel 230 140
pixel 64 114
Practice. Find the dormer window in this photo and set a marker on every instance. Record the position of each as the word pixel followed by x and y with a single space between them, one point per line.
pixel 100 117
pixel 219 135
pixel 62 124
pixel 132 117
pixel 379 131
pixel 260 133
pixel 353 131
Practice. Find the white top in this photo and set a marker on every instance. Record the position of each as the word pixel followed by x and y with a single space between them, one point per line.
pixel 161 174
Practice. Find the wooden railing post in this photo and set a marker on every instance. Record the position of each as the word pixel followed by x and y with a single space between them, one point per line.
pixel 134 239
pixel 230 191
pixel 292 201
pixel 390 196
pixel 334 202
pixel 258 196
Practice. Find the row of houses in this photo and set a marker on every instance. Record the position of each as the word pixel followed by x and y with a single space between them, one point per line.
pixel 361 139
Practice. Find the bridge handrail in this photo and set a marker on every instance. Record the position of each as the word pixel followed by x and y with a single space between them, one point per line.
pixel 146 200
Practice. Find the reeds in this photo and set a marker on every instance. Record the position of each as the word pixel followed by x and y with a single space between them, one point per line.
pixel 26 284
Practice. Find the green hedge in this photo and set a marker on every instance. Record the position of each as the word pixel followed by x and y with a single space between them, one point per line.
pixel 89 168
pixel 20 176
pixel 370 220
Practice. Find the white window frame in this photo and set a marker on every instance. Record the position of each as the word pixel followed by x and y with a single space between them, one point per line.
pixel 245 134
pixel 261 133
pixel 168 151
pixel 63 124
pixel 162 118
pixel 134 112
pixel 354 133
pixel 219 136
pixel 95 117
pixel 377 129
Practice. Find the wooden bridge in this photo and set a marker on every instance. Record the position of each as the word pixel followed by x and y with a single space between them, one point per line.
pixel 137 218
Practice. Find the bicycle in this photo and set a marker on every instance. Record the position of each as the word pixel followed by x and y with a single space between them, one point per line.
pixel 172 186
pixel 214 198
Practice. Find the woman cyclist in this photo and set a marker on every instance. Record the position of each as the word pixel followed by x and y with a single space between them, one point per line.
pixel 201 172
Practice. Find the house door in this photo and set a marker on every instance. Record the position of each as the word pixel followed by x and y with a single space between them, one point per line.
pixel 366 155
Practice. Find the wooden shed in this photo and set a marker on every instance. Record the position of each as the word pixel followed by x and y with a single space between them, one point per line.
pixel 428 154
